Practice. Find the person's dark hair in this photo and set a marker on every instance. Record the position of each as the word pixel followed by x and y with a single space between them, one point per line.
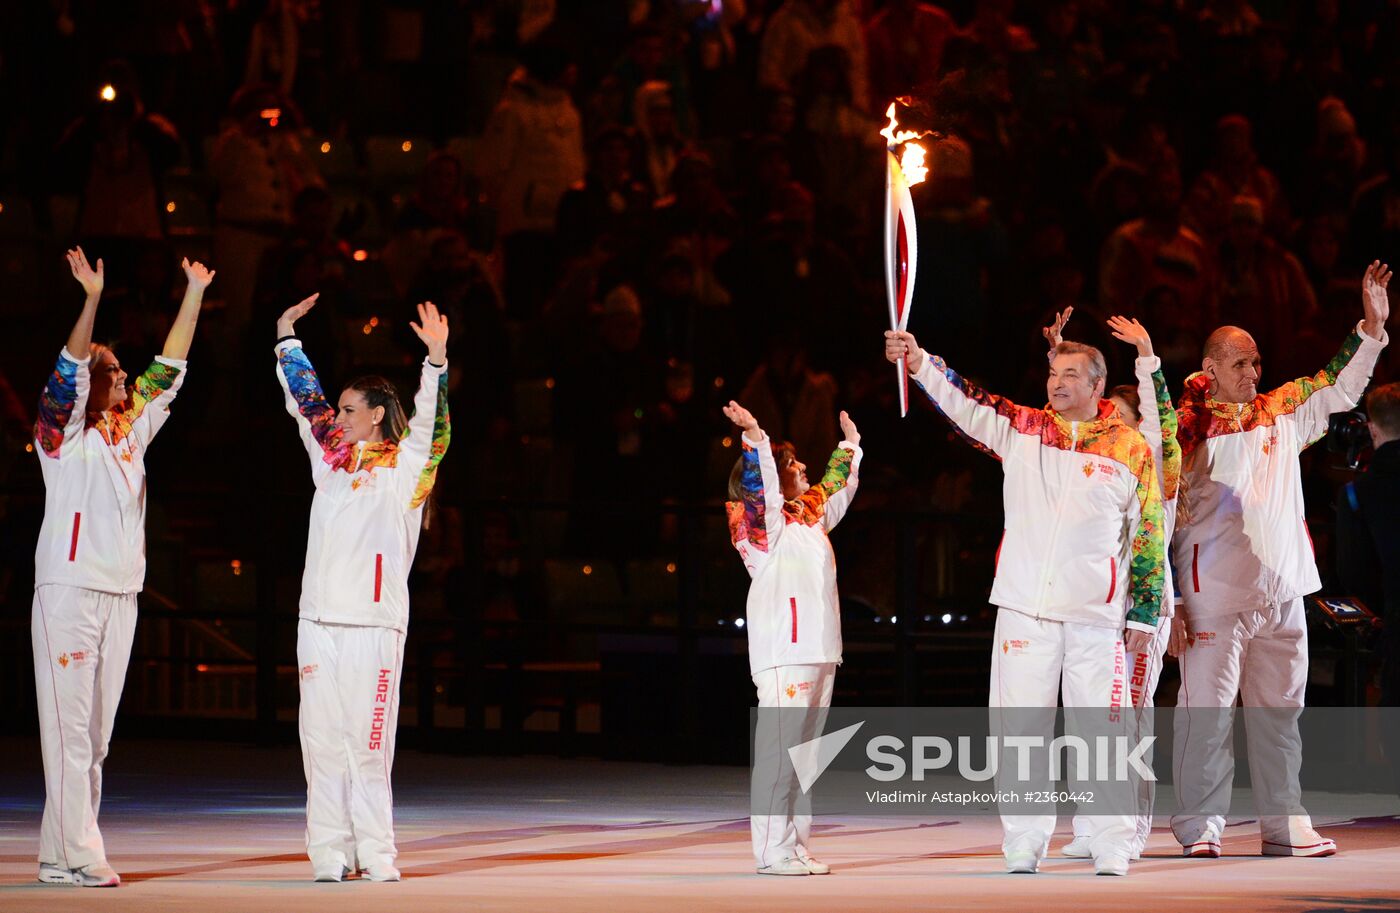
pixel 1128 394
pixel 1383 407
pixel 378 391
pixel 783 454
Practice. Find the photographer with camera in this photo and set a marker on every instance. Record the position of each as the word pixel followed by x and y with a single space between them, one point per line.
pixel 1368 544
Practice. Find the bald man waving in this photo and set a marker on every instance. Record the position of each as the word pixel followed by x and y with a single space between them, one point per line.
pixel 1244 561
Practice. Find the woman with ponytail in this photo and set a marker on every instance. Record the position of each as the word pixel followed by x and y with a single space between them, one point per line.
pixel 373 468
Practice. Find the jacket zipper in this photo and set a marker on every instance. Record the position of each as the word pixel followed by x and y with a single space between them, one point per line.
pixel 1055 531
pixel 793 601
pixel 379 580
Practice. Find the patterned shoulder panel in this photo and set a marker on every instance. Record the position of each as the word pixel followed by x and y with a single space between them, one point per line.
pixel 1023 419
pixel 56 406
pixel 442 435
pixel 746 517
pixel 809 507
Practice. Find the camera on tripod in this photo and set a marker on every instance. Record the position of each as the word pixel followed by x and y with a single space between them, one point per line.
pixel 1349 433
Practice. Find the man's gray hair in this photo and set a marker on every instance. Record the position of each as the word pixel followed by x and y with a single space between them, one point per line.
pixel 1098 369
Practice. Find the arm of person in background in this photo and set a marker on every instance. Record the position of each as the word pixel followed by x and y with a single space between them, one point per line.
pixel 842 476
pixel 758 518
pixel 1338 387
pixel 63 404
pixel 989 422
pixel 430 428
pixel 1147 570
pixel 305 401
pixel 1054 333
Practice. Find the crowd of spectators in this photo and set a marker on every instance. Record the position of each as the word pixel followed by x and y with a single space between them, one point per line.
pixel 634 210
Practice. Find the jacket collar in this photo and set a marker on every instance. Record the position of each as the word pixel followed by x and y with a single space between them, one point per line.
pixel 1107 416
pixel 1197 395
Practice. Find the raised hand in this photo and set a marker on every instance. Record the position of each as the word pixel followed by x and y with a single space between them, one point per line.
pixel 1054 332
pixel 286 324
pixel 745 420
pixel 432 329
pixel 90 279
pixel 1133 333
pixel 849 432
pixel 902 344
pixel 1374 299
pixel 197 274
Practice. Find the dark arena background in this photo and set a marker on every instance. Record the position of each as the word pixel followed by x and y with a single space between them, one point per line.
pixel 633 212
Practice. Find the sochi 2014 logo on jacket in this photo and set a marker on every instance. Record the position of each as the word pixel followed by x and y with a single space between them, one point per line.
pixel 1015 646
pixel 77 658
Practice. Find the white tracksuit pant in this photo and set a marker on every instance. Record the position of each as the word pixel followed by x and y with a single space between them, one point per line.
pixel 349 714
pixel 785 830
pixel 82 643
pixel 1033 661
pixel 1262 656
pixel 1144 671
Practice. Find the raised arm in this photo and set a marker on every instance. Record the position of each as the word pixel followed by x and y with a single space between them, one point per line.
pixel 758 517
pixel 305 400
pixel 80 339
pixel 1338 387
pixel 430 428
pixel 63 404
pixel 842 476
pixel 177 343
pixel 1054 333
pixel 1159 421
pixel 988 421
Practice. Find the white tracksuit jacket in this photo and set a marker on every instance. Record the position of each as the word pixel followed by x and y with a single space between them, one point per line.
pixel 793 614
pixel 1247 546
pixel 1083 540
pixel 94 530
pixel 367 511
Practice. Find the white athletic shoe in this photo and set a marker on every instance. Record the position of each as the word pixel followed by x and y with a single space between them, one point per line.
pixel 1078 848
pixel 333 874
pixel 1022 863
pixel 1111 864
pixel 789 866
pixel 96 875
pixel 381 873
pixel 1307 842
pixel 814 866
pixel 1206 846
pixel 55 874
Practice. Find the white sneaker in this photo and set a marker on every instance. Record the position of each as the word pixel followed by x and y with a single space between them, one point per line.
pixel 1206 846
pixel 333 874
pixel 55 874
pixel 1078 848
pixel 96 875
pixel 381 873
pixel 789 866
pixel 1022 863
pixel 1111 864
pixel 814 865
pixel 1306 842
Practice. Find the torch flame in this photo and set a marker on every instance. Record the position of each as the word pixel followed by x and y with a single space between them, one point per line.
pixel 911 160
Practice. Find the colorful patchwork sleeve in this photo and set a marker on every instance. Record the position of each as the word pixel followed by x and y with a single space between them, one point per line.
pixel 1147 576
pixel 151 395
pixel 62 411
pixel 817 499
pixel 305 401
pixel 429 432
pixel 1159 424
pixel 840 501
pixel 987 421
pixel 1336 388
pixel 758 517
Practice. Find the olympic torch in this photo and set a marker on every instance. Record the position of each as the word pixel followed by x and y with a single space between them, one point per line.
pixel 901 233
